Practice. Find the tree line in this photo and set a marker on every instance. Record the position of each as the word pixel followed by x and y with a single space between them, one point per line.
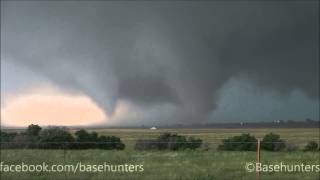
pixel 34 137
pixel 270 142
pixel 59 138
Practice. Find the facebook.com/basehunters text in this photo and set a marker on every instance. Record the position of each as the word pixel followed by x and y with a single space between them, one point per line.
pixel 78 167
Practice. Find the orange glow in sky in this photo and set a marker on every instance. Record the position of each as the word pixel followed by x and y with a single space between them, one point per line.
pixel 53 108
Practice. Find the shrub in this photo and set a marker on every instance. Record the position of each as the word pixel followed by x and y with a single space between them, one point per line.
pixel 172 141
pixel 7 137
pixel 177 142
pixel 85 140
pixel 311 146
pixel 244 142
pixel 168 141
pixel 291 147
pixel 146 144
pixel 58 138
pixel 33 130
pixel 110 142
pixel 83 136
pixel 272 142
pixel 205 146
pixel 55 138
pixel 194 143
pixel 24 141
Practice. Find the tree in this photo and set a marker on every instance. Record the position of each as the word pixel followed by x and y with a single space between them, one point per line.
pixel 55 138
pixel 33 130
pixel 194 143
pixel 24 141
pixel 7 137
pixel 110 142
pixel 82 136
pixel 244 142
pixel 311 146
pixel 85 140
pixel 146 144
pixel 172 142
pixel 168 141
pixel 272 142
pixel 58 138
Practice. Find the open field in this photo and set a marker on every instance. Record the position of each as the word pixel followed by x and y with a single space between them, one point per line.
pixel 176 165
pixel 297 136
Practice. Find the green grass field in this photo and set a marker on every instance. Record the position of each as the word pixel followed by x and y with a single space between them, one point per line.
pixel 176 165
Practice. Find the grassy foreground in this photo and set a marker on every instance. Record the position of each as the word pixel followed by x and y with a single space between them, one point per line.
pixel 184 165
pixel 170 165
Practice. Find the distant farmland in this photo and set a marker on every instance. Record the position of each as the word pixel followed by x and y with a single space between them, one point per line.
pixel 213 136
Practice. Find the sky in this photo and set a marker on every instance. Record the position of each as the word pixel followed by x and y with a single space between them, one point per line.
pixel 158 63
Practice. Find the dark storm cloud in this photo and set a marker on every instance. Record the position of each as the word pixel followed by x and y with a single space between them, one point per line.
pixel 146 90
pixel 180 53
